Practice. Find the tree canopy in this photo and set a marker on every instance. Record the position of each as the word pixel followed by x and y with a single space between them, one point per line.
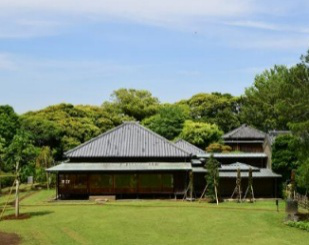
pixel 284 159
pixel 215 108
pixel 169 120
pixel 64 126
pixel 9 123
pixel 137 104
pixel 200 134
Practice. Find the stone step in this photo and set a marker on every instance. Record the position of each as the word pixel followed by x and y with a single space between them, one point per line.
pixel 102 198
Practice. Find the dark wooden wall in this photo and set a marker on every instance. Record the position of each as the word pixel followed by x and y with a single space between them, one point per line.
pixel 263 187
pixel 110 183
pixel 246 147
pixel 255 162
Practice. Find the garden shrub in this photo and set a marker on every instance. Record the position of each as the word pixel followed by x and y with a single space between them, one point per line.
pixel 7 181
pixel 303 225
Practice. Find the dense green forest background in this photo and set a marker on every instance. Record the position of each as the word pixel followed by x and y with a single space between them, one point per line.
pixel 277 100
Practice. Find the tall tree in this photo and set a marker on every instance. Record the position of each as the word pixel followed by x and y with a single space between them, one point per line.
pixel 9 123
pixel 138 104
pixel 260 103
pixel 217 108
pixel 64 126
pixel 200 134
pixel 19 153
pixel 169 120
pixel 284 159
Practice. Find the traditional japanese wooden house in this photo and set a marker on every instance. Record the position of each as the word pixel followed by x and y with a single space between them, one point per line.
pixel 127 160
pixel 131 160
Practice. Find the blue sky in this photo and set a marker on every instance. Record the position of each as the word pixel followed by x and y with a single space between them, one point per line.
pixel 78 51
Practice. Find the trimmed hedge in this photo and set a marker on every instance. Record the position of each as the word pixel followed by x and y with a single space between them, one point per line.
pixel 303 225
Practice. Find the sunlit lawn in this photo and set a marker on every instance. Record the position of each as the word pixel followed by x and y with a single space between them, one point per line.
pixel 150 222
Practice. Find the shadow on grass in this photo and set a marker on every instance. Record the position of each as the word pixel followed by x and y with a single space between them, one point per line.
pixel 40 213
pixel 28 215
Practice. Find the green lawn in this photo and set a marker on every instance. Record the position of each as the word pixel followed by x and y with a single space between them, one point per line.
pixel 150 222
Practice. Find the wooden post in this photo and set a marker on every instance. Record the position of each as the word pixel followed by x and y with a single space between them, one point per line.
pixel 237 189
pixel 203 193
pixel 47 180
pixel 191 185
pixel 57 185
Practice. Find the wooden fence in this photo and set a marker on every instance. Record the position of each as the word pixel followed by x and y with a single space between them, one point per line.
pixel 302 201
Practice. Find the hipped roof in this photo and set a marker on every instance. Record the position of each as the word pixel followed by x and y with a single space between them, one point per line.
pixel 130 139
pixel 244 132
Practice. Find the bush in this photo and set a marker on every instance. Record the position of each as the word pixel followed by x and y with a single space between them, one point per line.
pixel 200 134
pixel 218 147
pixel 303 225
pixel 26 171
pixel 7 180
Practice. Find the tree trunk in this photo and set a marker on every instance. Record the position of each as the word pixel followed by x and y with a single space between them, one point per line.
pixel 17 199
pixel 17 191
pixel 191 186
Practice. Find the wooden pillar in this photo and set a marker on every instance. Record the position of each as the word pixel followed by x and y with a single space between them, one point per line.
pixel 276 188
pixel 57 185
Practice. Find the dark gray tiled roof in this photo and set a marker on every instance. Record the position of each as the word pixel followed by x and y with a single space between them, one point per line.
pixel 230 171
pixel 262 173
pixel 234 155
pixel 244 132
pixel 194 150
pixel 237 165
pixel 130 139
pixel 129 166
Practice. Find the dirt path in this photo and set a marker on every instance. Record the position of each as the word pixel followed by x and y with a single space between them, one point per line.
pixel 9 238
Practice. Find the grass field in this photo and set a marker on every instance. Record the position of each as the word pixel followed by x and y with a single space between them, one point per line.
pixel 150 222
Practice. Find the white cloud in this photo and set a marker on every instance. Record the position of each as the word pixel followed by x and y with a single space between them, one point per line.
pixel 267 26
pixel 253 24
pixel 273 43
pixel 35 18
pixel 134 8
pixel 30 18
